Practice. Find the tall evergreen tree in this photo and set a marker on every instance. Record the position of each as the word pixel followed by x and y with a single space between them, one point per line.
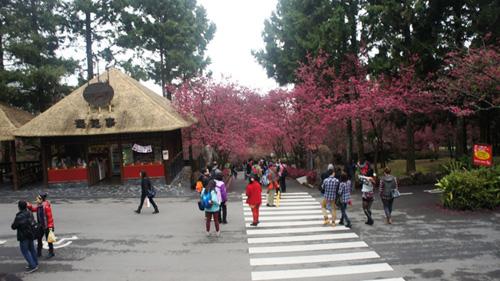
pixel 168 36
pixel 35 69
pixel 91 20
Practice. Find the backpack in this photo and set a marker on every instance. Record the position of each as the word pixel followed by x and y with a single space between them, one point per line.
pixel 199 186
pixel 205 200
pixel 265 179
pixel 389 185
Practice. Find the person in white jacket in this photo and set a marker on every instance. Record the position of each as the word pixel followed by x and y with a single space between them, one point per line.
pixel 367 194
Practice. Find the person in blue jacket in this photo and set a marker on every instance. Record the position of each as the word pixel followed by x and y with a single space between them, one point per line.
pixel 211 201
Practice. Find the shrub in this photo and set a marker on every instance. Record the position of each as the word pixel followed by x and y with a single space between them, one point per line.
pixel 470 190
pixel 312 176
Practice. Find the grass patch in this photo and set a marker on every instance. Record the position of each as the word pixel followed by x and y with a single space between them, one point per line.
pixel 424 166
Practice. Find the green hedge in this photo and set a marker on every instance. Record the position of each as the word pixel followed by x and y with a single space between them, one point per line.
pixel 471 189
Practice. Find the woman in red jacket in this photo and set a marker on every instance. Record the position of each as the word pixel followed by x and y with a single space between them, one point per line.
pixel 254 198
pixel 44 217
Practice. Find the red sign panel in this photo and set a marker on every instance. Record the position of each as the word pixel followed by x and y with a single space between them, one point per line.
pixel 483 155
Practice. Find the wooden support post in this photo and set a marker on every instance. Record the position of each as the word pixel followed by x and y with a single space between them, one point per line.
pixel 86 159
pixel 165 162
pixel 120 153
pixel 45 150
pixel 13 162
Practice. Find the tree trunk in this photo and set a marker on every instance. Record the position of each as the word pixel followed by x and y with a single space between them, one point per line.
pixel 164 91
pixel 2 67
pixel 349 141
pixel 382 157
pixel 410 147
pixel 88 45
pixel 375 146
pixel 484 127
pixel 359 140
pixel 461 138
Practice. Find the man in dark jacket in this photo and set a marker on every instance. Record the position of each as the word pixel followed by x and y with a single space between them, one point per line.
pixel 23 223
pixel 147 191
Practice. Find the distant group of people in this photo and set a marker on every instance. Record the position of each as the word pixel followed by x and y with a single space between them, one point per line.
pixel 336 187
pixel 269 175
pixel 28 229
pixel 213 197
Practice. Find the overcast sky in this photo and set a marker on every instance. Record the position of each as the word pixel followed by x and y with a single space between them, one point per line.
pixel 239 27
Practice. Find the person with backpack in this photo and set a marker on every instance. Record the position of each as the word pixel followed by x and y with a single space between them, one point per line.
pixel 367 196
pixel 147 190
pixel 45 219
pixel 254 198
pixel 203 179
pixel 211 204
pixel 221 187
pixel 270 180
pixel 344 194
pixel 24 225
pixel 388 186
pixel 330 187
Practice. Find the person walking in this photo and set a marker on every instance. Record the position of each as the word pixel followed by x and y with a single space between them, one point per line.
pixel 388 185
pixel 45 218
pixel 254 198
pixel 23 224
pixel 344 193
pixel 282 173
pixel 367 194
pixel 329 186
pixel 219 183
pixel 211 201
pixel 147 191
pixel 269 179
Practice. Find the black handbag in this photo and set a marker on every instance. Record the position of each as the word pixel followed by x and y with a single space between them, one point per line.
pixel 200 206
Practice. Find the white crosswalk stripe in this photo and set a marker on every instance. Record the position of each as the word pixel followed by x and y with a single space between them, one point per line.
pixel 291 242
pixel 301 238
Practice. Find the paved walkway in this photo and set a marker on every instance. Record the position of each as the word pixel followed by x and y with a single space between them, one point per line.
pixel 292 243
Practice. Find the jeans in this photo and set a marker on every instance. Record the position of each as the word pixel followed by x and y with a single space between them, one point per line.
pixel 344 218
pixel 223 212
pixel 40 244
pixel 209 215
pixel 143 197
pixel 28 251
pixel 388 207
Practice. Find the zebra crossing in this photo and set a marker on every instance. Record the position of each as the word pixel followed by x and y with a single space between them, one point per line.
pixel 291 242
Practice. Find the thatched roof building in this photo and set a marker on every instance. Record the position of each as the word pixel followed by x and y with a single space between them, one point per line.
pixel 134 108
pixel 112 127
pixel 10 119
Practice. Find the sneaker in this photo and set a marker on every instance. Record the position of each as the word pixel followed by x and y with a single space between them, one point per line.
pixel 51 255
pixel 217 233
pixel 348 225
pixel 253 224
pixel 137 211
pixel 224 222
pixel 207 233
pixel 31 270
pixel 156 212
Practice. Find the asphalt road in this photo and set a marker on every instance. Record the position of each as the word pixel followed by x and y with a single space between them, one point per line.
pixel 425 242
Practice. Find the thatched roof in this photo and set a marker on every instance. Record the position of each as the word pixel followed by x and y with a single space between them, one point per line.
pixel 135 108
pixel 10 119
